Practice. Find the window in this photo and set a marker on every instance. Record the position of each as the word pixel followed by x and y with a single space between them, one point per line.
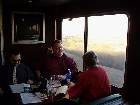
pixel 107 36
pixel 73 39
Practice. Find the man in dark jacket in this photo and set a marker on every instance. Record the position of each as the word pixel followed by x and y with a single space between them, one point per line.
pixel 14 72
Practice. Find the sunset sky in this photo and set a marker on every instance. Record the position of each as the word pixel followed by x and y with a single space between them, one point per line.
pixel 107 29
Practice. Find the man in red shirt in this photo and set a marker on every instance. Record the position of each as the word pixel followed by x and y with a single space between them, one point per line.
pixel 92 84
pixel 57 63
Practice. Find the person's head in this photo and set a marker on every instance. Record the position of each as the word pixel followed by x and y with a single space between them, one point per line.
pixel 57 48
pixel 14 56
pixel 90 59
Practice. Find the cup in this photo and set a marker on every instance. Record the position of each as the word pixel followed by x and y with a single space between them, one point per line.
pixel 27 88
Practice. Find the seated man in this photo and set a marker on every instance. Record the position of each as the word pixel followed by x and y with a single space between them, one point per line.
pixel 92 84
pixel 14 71
pixel 56 63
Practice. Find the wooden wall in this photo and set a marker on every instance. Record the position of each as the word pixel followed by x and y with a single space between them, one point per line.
pixel 1 32
pixel 31 53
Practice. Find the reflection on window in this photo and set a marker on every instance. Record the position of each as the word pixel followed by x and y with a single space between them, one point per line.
pixel 28 28
pixel 108 38
pixel 73 39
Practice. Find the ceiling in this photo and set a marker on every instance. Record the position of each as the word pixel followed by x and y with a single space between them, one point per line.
pixel 54 3
pixel 44 3
pixel 64 5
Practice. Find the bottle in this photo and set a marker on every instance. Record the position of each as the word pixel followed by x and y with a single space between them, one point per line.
pixel 43 81
pixel 50 86
pixel 68 76
pixel 27 88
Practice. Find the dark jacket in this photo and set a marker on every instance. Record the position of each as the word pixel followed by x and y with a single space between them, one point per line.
pixel 23 74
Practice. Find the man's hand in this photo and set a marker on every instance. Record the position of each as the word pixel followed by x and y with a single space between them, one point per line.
pixel 30 82
pixel 61 77
pixel 70 84
pixel 1 92
pixel 66 96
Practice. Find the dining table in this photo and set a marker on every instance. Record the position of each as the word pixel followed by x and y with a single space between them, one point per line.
pixel 54 91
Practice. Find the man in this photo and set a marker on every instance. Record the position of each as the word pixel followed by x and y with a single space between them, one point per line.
pixel 92 84
pixel 14 71
pixel 56 63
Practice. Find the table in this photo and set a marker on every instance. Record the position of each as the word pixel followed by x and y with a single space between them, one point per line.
pixel 34 98
pixel 53 90
pixel 16 97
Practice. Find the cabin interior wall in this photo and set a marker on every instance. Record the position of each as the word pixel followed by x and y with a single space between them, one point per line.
pixel 31 52
pixel 0 15
pixel 59 28
pixel 0 32
pixel 131 85
pixel 90 7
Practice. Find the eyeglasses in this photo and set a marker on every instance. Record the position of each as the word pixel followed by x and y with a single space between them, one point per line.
pixel 18 60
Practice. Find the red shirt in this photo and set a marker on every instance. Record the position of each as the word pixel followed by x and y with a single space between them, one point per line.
pixel 53 65
pixel 92 84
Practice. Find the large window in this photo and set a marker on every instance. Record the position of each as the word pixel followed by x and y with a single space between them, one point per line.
pixel 73 39
pixel 107 36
